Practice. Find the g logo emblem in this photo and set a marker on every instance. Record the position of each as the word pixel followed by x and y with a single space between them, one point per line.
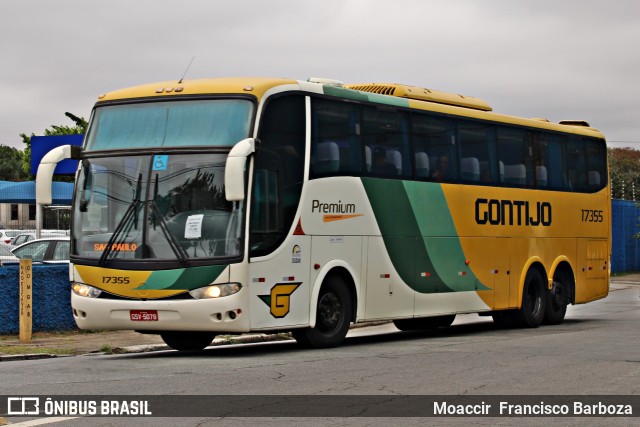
pixel 279 301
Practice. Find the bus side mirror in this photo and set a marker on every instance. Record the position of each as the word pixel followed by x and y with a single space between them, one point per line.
pixel 44 175
pixel 234 171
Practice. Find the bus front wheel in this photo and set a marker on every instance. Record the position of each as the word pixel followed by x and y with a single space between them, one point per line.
pixel 185 340
pixel 333 316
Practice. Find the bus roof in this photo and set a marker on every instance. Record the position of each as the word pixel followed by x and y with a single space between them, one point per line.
pixel 384 93
pixel 256 86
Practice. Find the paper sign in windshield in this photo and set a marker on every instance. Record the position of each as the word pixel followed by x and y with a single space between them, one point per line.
pixel 193 227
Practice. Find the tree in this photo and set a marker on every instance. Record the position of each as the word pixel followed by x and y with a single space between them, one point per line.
pixel 79 128
pixel 11 164
pixel 624 169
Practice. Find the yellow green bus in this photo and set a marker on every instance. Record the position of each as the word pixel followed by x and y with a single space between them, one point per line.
pixel 234 205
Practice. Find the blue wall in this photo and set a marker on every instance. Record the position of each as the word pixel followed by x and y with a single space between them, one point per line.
pixel 51 298
pixel 625 251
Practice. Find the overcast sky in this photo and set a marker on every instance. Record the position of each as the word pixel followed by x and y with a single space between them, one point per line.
pixel 574 59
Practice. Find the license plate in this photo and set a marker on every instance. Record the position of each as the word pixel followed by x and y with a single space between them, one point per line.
pixel 143 315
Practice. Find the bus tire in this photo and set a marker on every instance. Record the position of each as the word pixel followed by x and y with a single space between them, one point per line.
pixel 333 316
pixel 557 298
pixel 185 340
pixel 424 323
pixel 531 313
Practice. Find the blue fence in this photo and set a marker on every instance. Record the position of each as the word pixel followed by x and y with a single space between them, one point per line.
pixel 51 298
pixel 625 253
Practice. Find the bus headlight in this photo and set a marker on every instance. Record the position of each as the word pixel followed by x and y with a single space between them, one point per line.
pixel 85 290
pixel 216 291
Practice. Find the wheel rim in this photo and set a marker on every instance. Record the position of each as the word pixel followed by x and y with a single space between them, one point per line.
pixel 329 312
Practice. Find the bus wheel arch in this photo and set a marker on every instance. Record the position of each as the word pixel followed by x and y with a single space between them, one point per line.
pixel 333 310
pixel 560 293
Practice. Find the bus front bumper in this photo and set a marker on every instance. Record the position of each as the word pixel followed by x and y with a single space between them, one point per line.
pixel 228 314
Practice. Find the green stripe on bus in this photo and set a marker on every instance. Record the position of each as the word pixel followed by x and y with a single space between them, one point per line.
pixel 364 96
pixel 183 278
pixel 420 236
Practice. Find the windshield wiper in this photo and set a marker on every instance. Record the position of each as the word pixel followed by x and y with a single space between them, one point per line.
pixel 129 213
pixel 178 250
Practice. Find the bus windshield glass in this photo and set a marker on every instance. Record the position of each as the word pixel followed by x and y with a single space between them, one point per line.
pixel 215 122
pixel 155 206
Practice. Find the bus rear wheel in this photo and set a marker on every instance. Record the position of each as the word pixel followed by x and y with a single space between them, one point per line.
pixel 532 311
pixel 424 323
pixel 186 340
pixel 333 316
pixel 557 299
pixel 531 314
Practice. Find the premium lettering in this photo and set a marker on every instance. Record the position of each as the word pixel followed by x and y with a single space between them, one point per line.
pixel 333 208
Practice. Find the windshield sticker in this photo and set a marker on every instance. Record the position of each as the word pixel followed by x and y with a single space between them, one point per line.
pixel 193 227
pixel 160 162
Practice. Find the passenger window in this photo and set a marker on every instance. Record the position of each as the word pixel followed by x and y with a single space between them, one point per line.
pixel 386 141
pixel 548 160
pixel 513 157
pixel 596 164
pixel 335 139
pixel 475 139
pixel 434 147
pixel 576 165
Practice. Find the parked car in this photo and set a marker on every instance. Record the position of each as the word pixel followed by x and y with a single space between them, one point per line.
pixel 6 256
pixel 7 235
pixel 50 250
pixel 21 238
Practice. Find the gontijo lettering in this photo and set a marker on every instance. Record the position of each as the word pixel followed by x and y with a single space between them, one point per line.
pixel 512 212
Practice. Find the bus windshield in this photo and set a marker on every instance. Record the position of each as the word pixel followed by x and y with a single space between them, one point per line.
pixel 214 122
pixel 165 207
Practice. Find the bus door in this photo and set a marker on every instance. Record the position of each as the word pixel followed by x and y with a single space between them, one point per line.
pixel 279 286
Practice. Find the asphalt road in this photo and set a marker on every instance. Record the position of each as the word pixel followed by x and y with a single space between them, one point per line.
pixel 596 351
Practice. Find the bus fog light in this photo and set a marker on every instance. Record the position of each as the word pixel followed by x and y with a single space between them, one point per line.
pixel 84 290
pixel 216 291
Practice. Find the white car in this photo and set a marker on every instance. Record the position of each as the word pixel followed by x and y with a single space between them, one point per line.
pixel 6 256
pixel 54 250
pixel 7 235
pixel 20 239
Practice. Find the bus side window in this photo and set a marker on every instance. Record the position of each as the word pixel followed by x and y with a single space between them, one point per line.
pixel 476 144
pixel 385 132
pixel 434 145
pixel 575 164
pixel 326 158
pixel 596 166
pixel 513 157
pixel 335 139
pixel 549 160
